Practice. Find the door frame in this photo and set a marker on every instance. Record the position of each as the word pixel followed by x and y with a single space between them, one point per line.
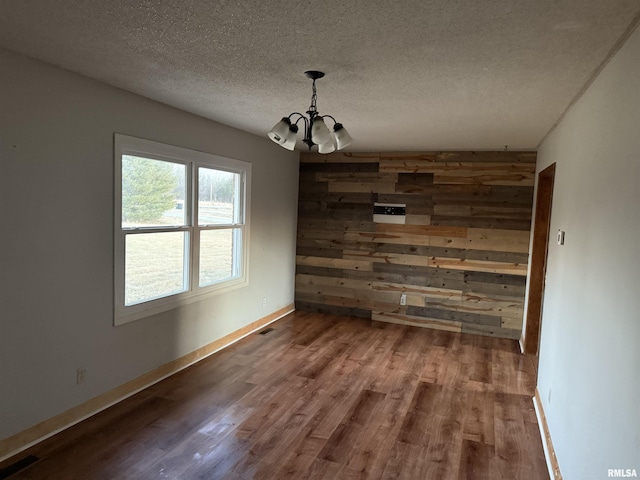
pixel 539 250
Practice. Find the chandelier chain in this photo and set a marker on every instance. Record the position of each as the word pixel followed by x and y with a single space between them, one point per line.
pixel 313 109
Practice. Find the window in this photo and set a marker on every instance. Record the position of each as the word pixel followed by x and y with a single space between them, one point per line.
pixel 181 226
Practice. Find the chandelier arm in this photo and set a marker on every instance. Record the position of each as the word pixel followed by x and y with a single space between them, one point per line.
pixel 303 118
pixel 307 132
pixel 330 116
pixel 300 115
pixel 307 127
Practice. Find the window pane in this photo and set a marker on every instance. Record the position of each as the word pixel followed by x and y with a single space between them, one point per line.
pixel 154 265
pixel 220 255
pixel 218 196
pixel 153 192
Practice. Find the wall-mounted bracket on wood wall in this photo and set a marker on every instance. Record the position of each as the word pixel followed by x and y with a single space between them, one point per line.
pixel 389 213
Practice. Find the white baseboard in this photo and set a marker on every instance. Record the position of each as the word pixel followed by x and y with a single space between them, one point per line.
pixel 547 444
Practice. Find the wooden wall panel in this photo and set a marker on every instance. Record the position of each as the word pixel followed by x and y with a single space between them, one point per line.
pixel 460 259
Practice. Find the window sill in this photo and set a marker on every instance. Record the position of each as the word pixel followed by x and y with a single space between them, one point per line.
pixel 136 312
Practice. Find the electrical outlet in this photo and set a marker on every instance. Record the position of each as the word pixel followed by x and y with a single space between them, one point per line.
pixel 403 299
pixel 81 375
pixel 264 301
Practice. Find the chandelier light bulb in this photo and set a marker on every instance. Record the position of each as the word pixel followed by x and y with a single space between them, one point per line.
pixel 327 147
pixel 320 134
pixel 280 131
pixel 292 136
pixel 343 139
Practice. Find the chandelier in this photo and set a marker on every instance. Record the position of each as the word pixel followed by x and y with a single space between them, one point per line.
pixel 316 132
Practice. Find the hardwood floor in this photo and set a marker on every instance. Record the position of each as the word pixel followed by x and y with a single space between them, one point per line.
pixel 319 397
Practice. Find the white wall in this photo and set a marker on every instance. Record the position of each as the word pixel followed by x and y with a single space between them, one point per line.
pixel 589 376
pixel 56 239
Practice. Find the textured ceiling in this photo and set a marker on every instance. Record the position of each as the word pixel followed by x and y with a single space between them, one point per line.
pixel 401 75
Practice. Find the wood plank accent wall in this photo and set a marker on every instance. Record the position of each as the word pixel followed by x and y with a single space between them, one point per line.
pixel 461 258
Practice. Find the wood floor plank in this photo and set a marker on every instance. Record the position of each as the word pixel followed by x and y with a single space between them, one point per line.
pixel 479 418
pixel 346 435
pixel 475 460
pixel 446 434
pixel 319 397
pixel 405 462
pixel 415 428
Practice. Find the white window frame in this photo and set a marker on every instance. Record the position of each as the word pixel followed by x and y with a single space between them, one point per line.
pixel 126 145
